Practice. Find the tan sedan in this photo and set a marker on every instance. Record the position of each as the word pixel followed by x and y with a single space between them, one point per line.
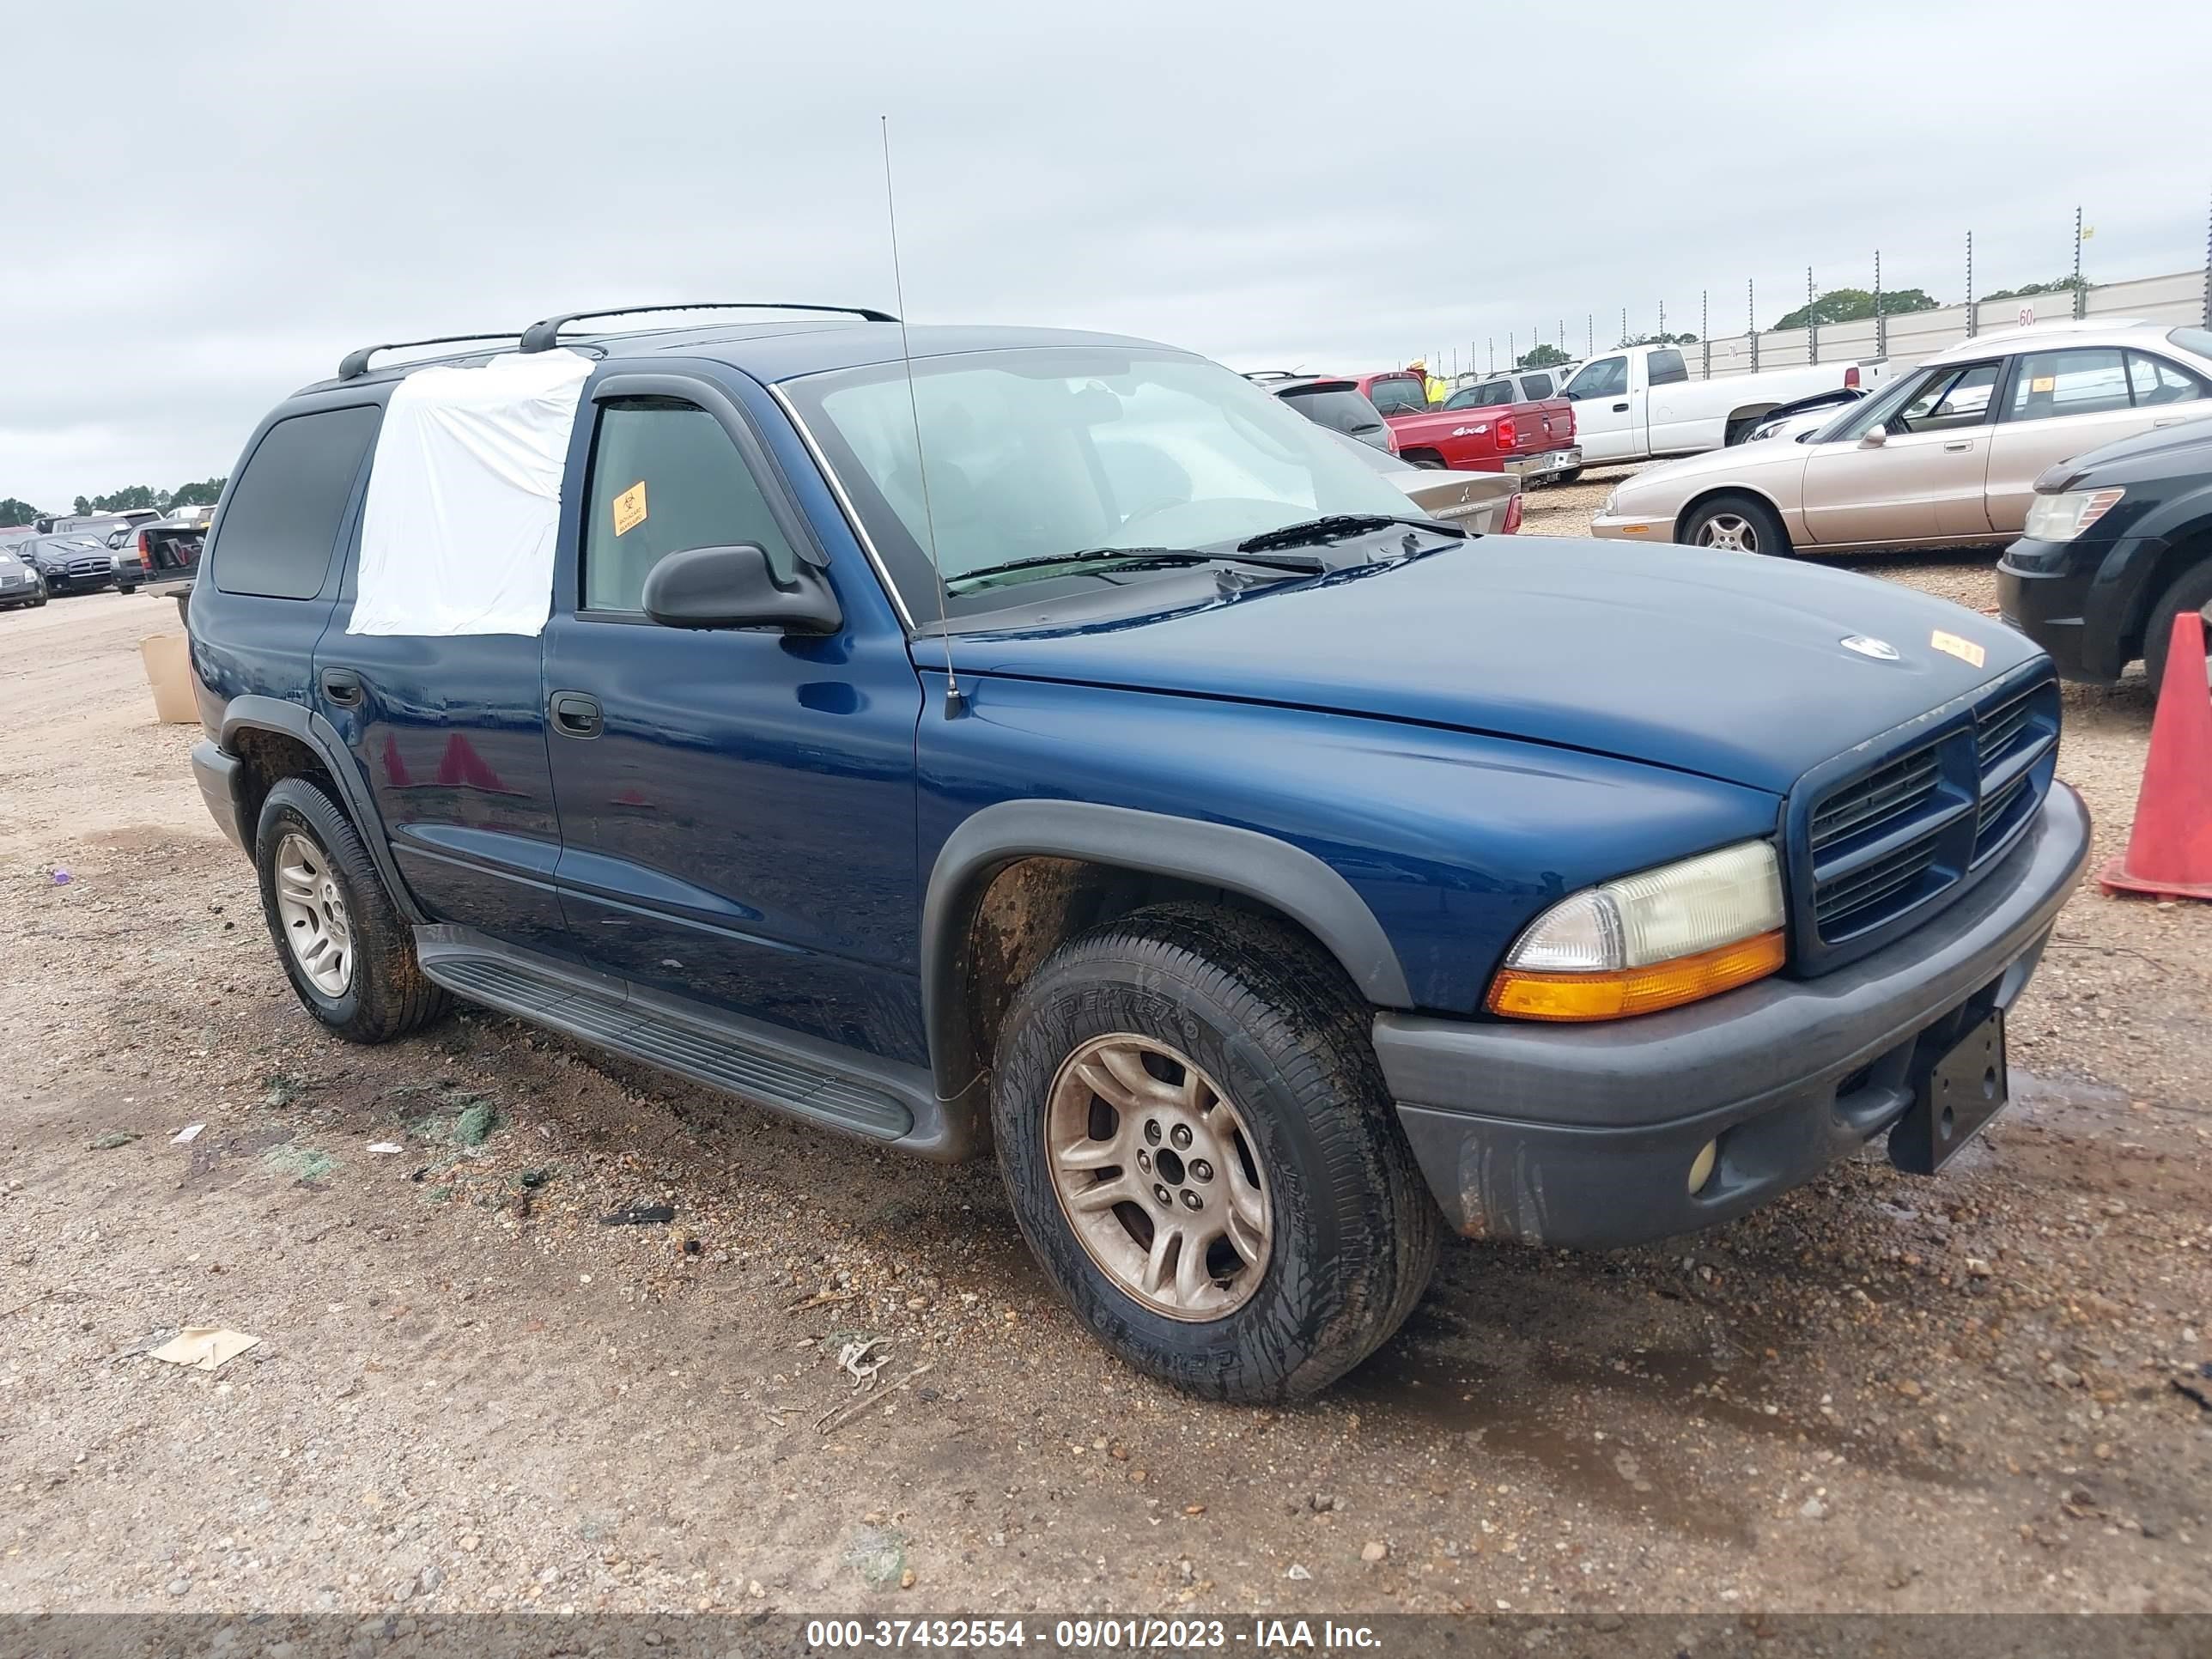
pixel 1947 455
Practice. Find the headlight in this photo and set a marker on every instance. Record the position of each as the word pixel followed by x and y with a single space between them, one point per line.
pixel 2062 518
pixel 1612 500
pixel 1669 936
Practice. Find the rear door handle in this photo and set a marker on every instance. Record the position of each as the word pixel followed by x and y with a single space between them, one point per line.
pixel 1959 443
pixel 342 686
pixel 575 715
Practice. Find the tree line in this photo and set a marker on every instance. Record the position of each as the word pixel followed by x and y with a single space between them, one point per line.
pixel 136 497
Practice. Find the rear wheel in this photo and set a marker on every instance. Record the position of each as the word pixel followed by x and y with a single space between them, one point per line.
pixel 344 946
pixel 1736 523
pixel 2191 590
pixel 1567 476
pixel 1426 458
pixel 1199 1148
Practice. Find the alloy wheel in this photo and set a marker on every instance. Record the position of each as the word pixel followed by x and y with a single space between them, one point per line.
pixel 312 906
pixel 1729 533
pixel 1158 1176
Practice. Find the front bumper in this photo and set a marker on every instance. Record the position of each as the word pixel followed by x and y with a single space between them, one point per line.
pixel 1584 1135
pixel 1535 469
pixel 2045 589
pixel 1631 527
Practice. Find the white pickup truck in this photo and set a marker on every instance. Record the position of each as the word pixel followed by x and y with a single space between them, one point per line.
pixel 1640 402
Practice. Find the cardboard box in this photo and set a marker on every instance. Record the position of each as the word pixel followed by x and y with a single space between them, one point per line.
pixel 169 672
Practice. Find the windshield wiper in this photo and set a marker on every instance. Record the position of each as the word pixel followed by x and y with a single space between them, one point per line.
pixel 1138 558
pixel 1336 526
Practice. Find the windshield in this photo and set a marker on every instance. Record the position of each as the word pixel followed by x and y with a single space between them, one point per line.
pixel 1032 453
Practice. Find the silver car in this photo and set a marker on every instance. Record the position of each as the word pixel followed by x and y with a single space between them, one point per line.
pixel 1946 456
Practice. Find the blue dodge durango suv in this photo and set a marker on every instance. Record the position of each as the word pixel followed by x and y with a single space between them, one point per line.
pixel 1046 744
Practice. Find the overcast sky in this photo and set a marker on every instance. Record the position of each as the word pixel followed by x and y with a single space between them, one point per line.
pixel 205 206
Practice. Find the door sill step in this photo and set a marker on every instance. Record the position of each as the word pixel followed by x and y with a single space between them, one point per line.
pixel 791 1073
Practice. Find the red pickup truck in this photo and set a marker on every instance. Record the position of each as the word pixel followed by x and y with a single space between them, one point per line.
pixel 1534 440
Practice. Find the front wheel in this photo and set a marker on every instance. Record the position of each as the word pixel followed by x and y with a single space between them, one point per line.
pixel 1199 1147
pixel 2191 590
pixel 1737 524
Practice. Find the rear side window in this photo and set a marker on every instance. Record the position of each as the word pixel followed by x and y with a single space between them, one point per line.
pixel 2087 380
pixel 281 522
pixel 1398 393
pixel 2158 381
pixel 1666 368
pixel 1492 396
pixel 1535 387
pixel 1341 408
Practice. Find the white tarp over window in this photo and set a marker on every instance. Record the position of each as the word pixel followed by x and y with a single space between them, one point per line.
pixel 464 503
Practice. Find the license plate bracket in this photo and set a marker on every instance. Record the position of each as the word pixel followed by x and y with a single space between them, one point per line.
pixel 1953 1099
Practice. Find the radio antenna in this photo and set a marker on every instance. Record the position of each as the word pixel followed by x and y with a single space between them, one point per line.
pixel 954 703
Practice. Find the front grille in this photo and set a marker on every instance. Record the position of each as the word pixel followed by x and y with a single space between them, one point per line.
pixel 1892 793
pixel 79 568
pixel 1875 890
pixel 2014 741
pixel 1902 836
pixel 2001 728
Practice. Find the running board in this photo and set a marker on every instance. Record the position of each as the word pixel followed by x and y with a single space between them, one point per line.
pixel 816 1081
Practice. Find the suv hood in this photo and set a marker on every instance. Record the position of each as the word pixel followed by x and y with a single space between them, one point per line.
pixel 1722 664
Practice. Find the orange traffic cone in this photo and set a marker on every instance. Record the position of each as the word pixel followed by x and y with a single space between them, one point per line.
pixel 2170 851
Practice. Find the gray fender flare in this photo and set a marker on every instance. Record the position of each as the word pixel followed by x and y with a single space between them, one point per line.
pixel 260 714
pixel 1283 878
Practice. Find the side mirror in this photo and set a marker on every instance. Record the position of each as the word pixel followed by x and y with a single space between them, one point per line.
pixel 1874 437
pixel 736 588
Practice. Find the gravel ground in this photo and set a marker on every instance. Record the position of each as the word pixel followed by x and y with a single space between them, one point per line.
pixel 1979 1392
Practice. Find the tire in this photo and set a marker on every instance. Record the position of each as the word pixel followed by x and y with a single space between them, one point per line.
pixel 1427 460
pixel 2191 590
pixel 381 992
pixel 1568 477
pixel 1741 524
pixel 1279 1034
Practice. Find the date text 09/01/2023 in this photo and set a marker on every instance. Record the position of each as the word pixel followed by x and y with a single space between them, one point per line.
pixel 1167 1634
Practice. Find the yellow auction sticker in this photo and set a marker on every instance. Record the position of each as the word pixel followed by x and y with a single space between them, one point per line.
pixel 629 509
pixel 1964 650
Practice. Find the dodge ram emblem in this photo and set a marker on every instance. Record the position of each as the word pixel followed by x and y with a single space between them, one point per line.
pixel 1880 650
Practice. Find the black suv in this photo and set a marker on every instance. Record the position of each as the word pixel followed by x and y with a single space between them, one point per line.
pixel 74 563
pixel 2118 543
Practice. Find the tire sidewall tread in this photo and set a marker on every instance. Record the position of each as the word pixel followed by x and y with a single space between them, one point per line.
pixel 389 995
pixel 1283 1032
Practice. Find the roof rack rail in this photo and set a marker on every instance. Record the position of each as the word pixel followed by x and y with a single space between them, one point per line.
pixel 354 364
pixel 541 336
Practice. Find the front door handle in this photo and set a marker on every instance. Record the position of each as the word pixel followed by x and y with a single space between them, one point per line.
pixel 342 687
pixel 1620 408
pixel 575 715
pixel 2170 420
pixel 1959 443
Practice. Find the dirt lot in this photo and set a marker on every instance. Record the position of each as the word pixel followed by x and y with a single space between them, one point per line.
pixel 1980 1392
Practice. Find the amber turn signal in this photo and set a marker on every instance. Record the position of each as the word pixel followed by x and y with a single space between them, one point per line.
pixel 1519 994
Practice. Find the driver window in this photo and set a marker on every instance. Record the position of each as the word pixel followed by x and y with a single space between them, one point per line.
pixel 1959 399
pixel 665 477
pixel 1606 378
